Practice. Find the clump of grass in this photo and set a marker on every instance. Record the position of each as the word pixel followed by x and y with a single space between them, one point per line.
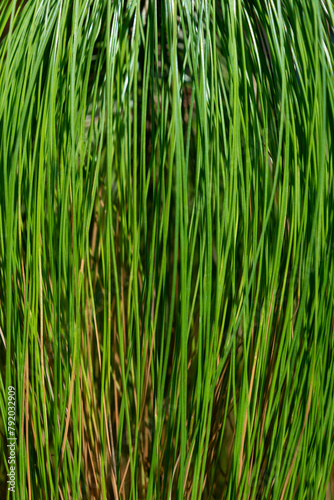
pixel 166 248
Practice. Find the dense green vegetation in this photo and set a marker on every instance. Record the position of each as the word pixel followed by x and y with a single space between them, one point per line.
pixel 167 248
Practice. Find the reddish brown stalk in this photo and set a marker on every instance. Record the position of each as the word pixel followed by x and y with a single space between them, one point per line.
pixel 298 445
pixel 250 395
pixel 26 378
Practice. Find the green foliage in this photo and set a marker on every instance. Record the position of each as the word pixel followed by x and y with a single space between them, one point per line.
pixel 166 248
